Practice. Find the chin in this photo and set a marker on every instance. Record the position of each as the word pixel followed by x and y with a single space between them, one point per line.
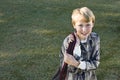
pixel 84 37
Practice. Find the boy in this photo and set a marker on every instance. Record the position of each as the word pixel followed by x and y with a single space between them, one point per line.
pixel 86 53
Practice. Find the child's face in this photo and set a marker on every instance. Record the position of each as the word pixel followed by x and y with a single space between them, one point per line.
pixel 83 29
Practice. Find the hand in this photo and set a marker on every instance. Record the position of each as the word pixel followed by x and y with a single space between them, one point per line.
pixel 69 59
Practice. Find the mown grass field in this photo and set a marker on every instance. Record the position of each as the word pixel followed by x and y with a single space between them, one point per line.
pixel 32 31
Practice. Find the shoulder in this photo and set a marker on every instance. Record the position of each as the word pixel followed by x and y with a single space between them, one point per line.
pixel 94 36
pixel 69 38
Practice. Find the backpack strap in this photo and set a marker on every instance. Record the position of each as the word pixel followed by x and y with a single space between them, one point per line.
pixel 71 45
pixel 69 51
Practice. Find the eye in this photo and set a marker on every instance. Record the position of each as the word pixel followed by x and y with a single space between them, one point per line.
pixel 81 25
pixel 88 25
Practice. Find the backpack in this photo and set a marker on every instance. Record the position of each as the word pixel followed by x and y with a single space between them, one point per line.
pixel 61 73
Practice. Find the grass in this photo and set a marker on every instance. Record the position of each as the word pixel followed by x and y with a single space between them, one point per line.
pixel 32 31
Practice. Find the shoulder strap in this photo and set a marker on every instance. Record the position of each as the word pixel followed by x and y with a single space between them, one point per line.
pixel 71 45
pixel 69 51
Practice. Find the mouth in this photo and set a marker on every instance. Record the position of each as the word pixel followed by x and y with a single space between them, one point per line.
pixel 84 34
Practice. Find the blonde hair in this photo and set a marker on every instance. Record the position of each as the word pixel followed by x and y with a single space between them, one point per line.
pixel 85 13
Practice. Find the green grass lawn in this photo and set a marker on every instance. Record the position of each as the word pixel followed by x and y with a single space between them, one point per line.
pixel 32 31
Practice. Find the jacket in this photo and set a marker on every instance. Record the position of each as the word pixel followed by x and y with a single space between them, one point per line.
pixel 90 54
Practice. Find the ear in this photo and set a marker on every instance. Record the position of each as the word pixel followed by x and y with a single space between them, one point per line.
pixel 92 24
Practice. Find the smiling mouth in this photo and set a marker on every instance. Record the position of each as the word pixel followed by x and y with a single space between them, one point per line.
pixel 84 34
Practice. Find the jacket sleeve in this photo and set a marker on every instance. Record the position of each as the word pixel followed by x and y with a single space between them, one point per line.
pixel 64 47
pixel 94 60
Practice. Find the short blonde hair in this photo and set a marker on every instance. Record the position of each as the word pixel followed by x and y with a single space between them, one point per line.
pixel 84 12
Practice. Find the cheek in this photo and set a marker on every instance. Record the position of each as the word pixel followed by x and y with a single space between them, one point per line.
pixel 89 30
pixel 78 30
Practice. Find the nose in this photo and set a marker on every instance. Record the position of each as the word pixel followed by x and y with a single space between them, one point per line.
pixel 84 29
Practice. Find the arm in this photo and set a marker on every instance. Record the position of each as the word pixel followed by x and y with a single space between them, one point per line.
pixel 93 62
pixel 66 57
